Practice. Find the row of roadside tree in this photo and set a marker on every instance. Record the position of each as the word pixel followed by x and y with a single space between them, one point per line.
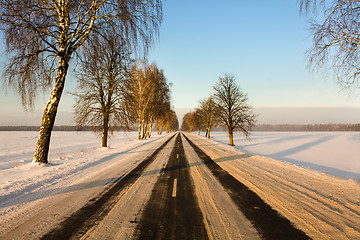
pixel 46 39
pixel 227 106
pixel 116 91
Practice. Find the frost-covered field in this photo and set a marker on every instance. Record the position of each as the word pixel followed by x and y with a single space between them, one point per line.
pixel 337 153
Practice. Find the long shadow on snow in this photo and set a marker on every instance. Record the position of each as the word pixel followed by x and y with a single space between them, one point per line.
pixel 109 181
pixel 283 155
pixel 280 140
pixel 321 168
pixel 302 147
pixel 82 186
pixel 31 195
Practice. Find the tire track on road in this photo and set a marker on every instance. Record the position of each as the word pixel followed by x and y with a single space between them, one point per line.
pixel 269 223
pixel 173 210
pixel 77 224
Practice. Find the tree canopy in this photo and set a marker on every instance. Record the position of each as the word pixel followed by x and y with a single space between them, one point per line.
pixel 232 107
pixel 101 75
pixel 42 36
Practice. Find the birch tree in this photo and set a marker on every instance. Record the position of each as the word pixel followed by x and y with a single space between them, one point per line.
pixel 103 70
pixel 159 100
pixel 163 117
pixel 172 123
pixel 208 114
pixel 137 92
pixel 232 107
pixel 336 38
pixel 147 93
pixel 42 36
pixel 188 123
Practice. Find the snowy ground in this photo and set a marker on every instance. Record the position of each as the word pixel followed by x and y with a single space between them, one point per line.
pixel 337 153
pixel 72 157
pixel 72 153
pixel 324 206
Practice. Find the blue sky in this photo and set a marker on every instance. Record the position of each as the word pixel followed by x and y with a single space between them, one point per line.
pixel 262 43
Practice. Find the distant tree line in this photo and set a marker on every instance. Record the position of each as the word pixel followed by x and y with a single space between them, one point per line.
pixel 307 127
pixel 37 128
pixel 255 128
pixel 56 128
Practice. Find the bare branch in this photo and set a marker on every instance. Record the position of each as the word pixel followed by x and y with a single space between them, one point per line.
pixel 336 41
pixel 232 107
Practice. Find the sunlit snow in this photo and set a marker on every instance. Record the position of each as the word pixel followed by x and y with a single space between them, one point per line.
pixel 337 153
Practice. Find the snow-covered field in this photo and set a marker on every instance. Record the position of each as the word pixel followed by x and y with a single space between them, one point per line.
pixel 72 157
pixel 337 153
pixel 326 207
pixel 72 153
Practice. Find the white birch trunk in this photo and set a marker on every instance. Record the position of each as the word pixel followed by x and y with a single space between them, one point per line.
pixel 48 119
pixel 149 128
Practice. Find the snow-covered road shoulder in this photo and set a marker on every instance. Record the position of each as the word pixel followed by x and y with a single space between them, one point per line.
pixel 75 157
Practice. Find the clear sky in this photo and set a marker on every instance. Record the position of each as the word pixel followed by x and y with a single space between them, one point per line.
pixel 262 43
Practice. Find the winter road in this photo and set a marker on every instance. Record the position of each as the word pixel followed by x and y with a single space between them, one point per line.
pixel 174 192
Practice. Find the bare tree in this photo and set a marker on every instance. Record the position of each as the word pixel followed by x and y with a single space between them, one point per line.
pixel 188 123
pixel 208 114
pixel 172 123
pixel 192 120
pixel 99 99
pixel 42 36
pixel 233 109
pixel 163 117
pixel 147 94
pixel 198 123
pixel 138 91
pixel 160 99
pixel 311 5
pixel 336 38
